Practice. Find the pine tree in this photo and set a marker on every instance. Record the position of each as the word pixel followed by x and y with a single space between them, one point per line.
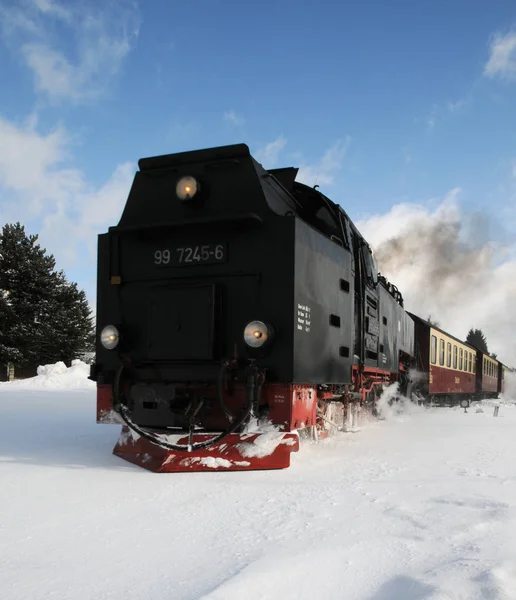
pixel 476 338
pixel 70 332
pixel 43 317
pixel 25 274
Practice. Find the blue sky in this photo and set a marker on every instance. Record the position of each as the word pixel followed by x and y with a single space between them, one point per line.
pixel 379 102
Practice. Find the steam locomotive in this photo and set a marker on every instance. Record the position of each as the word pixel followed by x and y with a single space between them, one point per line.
pixel 238 309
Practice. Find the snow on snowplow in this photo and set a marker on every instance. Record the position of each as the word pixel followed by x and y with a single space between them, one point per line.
pixel 237 452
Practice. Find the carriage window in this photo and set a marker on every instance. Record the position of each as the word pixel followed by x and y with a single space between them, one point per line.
pixel 461 351
pixel 448 354
pixel 441 352
pixel 433 350
pixel 470 362
pixel 484 367
pixel 475 365
pixel 454 356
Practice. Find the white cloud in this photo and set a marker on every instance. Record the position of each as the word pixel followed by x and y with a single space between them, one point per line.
pixel 30 166
pixel 323 172
pixel 441 262
pixel 440 112
pixel 506 199
pixel 502 56
pixel 50 7
pixel 71 228
pixel 457 105
pixel 39 188
pixel 233 118
pixel 268 155
pixel 78 63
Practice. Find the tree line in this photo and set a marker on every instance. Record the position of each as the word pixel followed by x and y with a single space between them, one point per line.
pixel 44 318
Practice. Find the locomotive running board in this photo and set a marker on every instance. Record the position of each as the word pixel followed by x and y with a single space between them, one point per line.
pixel 236 452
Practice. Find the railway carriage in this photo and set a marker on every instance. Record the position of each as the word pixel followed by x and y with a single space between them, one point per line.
pixel 449 370
pixel 488 380
pixel 446 366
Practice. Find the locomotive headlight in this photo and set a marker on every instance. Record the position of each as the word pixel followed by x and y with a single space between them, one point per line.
pixel 109 337
pixel 256 333
pixel 187 187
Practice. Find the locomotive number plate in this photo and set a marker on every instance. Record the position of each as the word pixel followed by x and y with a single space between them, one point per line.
pixel 190 255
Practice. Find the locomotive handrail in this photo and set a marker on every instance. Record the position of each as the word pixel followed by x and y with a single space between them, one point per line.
pixel 252 218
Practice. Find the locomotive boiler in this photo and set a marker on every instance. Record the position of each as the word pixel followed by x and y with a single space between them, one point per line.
pixel 237 309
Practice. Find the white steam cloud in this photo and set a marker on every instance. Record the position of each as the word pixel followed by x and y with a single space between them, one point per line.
pixel 446 268
pixel 393 405
pixel 509 394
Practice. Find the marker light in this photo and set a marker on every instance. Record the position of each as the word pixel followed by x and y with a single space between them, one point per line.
pixel 256 333
pixel 186 188
pixel 109 337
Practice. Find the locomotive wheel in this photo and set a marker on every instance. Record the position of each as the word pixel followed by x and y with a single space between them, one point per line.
pixel 332 418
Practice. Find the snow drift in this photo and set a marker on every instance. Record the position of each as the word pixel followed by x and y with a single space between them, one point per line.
pixel 56 376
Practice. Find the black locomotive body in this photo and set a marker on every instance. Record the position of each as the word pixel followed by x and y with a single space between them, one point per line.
pixel 236 306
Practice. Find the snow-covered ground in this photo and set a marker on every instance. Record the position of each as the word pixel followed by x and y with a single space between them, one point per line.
pixel 421 506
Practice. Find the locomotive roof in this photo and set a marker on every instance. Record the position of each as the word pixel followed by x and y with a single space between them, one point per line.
pixel 191 156
pixel 286 176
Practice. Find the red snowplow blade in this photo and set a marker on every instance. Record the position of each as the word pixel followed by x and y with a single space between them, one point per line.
pixel 236 452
